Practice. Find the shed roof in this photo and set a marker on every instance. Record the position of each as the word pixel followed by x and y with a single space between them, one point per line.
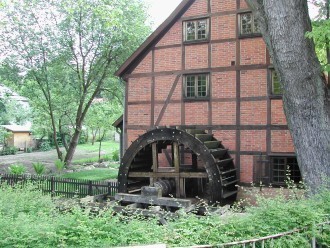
pixel 17 128
pixel 154 37
pixel 118 122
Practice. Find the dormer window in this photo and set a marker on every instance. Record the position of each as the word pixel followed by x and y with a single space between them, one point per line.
pixel 196 30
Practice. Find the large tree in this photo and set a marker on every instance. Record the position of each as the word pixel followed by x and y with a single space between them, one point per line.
pixel 68 50
pixel 284 24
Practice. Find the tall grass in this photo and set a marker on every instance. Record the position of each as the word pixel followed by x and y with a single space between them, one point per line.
pixel 30 219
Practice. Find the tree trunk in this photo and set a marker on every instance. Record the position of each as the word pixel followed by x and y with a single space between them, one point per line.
pixel 59 152
pixel 73 146
pixel 306 98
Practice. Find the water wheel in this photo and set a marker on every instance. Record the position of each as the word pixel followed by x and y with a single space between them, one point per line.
pixel 184 163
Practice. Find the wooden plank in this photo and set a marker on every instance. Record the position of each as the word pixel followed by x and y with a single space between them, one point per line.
pixel 161 201
pixel 154 163
pixel 168 174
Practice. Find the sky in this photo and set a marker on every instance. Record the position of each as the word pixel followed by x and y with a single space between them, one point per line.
pixel 159 10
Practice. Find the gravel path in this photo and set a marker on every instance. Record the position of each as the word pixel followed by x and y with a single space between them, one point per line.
pixel 47 158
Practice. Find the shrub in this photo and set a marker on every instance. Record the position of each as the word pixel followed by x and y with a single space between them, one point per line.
pixel 17 169
pixel 115 155
pixel 29 150
pixel 59 165
pixel 11 150
pixel 45 146
pixel 39 168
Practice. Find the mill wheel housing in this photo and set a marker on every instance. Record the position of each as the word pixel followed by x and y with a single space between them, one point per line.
pixel 210 173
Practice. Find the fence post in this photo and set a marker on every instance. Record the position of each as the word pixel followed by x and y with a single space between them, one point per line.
pixel 52 186
pixel 90 188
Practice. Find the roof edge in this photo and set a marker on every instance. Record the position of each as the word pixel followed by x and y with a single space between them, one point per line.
pixel 154 37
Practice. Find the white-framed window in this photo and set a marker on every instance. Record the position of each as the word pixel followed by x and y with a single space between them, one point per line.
pixel 248 24
pixel 196 30
pixel 196 86
pixel 276 86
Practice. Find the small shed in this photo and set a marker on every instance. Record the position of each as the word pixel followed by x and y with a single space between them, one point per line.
pixel 21 136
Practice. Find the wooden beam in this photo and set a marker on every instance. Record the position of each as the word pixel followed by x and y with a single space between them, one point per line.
pixel 162 201
pixel 153 178
pixel 168 174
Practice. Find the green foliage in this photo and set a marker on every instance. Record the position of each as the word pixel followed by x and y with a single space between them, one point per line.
pixel 95 174
pixel 39 168
pixel 59 165
pixel 12 111
pixel 45 146
pixel 91 160
pixel 11 150
pixel 72 56
pixel 115 155
pixel 321 37
pixel 31 219
pixel 16 169
pixel 29 150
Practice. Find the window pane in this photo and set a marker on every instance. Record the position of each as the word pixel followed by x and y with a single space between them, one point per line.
pixel 190 86
pixel 256 26
pixel 202 86
pixel 276 85
pixel 190 29
pixel 201 29
pixel 246 23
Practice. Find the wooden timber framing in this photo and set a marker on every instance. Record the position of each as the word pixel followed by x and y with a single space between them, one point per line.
pixel 238 130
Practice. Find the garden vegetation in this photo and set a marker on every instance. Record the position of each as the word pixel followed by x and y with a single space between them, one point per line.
pixel 30 219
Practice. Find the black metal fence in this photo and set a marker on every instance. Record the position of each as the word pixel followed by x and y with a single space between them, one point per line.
pixel 64 187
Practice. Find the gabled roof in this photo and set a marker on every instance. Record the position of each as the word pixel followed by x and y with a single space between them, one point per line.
pixel 17 128
pixel 154 37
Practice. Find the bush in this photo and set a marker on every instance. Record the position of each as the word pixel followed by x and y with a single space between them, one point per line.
pixel 115 155
pixel 59 165
pixel 17 169
pixel 11 150
pixel 29 150
pixel 39 168
pixel 30 219
pixel 45 146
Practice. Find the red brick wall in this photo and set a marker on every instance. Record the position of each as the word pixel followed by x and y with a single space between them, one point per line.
pixel 244 5
pixel 173 36
pixel 145 65
pixel 246 172
pixel 199 7
pixel 139 89
pixel 224 84
pixel 172 115
pixel 196 56
pixel 224 113
pixel 196 113
pixel 169 51
pixel 223 27
pixel 278 116
pixel 222 5
pixel 281 141
pixel 139 114
pixel 254 113
pixel 163 86
pixel 168 59
pixel 253 140
pixel 223 54
pixel 253 51
pixel 227 137
pixel 254 83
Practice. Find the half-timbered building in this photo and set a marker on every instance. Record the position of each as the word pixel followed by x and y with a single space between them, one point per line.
pixel 207 68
